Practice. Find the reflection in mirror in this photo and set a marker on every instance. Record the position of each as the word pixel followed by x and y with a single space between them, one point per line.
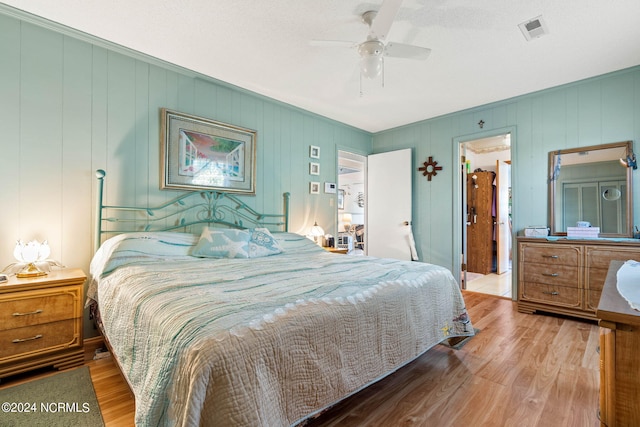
pixel 611 194
pixel 591 185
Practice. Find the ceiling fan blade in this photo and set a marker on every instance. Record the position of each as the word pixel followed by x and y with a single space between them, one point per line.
pixel 382 22
pixel 333 43
pixel 400 50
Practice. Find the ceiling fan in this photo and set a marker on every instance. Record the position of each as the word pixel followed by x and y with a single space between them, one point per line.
pixel 373 50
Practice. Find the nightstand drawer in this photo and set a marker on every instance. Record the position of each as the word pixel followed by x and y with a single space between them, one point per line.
pixel 38 338
pixel 34 308
pixel 41 321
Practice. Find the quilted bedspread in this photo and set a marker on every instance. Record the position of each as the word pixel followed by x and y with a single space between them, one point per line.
pixel 265 341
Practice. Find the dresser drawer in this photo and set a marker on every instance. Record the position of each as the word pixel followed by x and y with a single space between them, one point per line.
pixel 559 275
pixel 550 294
pixel 592 299
pixel 38 338
pixel 597 263
pixel 25 309
pixel 549 254
pixel 598 257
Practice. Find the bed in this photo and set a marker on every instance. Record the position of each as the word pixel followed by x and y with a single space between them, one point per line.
pixel 270 332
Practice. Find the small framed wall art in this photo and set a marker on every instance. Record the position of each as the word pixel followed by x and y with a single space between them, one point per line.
pixel 314 168
pixel 314 187
pixel 314 152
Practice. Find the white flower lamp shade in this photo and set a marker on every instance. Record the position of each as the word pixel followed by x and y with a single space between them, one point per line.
pixel 29 254
pixel 317 231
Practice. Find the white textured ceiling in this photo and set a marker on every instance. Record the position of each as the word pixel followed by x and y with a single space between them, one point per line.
pixel 478 53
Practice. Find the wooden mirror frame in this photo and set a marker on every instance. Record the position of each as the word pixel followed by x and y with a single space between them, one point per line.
pixel 628 147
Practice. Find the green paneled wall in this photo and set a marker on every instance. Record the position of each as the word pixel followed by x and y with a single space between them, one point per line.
pixel 72 105
pixel 595 111
pixel 69 106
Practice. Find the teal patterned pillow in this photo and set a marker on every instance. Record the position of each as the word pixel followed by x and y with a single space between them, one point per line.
pixel 223 243
pixel 263 244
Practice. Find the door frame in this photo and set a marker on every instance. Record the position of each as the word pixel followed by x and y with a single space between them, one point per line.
pixel 365 156
pixel 458 231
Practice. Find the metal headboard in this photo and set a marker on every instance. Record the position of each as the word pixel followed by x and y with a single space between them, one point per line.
pixel 184 212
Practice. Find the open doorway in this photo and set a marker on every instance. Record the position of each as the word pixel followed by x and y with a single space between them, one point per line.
pixel 486 215
pixel 351 200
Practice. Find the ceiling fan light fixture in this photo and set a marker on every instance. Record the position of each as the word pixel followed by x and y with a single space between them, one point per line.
pixel 371 66
pixel 371 58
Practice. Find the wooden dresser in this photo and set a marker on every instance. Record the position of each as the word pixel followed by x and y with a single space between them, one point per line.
pixel 41 322
pixel 566 276
pixel 619 359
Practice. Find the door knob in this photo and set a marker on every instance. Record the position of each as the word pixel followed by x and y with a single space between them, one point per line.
pixel 406 223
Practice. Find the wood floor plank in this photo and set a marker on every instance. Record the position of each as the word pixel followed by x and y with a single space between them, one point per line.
pixel 520 370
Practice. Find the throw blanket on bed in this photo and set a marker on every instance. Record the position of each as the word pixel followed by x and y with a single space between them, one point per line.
pixel 265 341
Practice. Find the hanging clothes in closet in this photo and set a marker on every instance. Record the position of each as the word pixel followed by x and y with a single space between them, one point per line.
pixel 481 213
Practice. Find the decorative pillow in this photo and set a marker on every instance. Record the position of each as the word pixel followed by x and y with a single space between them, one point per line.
pixel 222 243
pixel 263 244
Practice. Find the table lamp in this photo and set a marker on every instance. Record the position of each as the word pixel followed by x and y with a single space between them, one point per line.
pixel 317 231
pixel 29 254
pixel 347 219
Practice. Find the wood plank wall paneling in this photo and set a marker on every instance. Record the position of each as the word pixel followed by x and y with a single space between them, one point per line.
pixel 69 107
pixel 594 111
pixel 10 46
pixel 76 135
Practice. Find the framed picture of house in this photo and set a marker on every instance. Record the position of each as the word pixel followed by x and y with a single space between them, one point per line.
pixel 202 154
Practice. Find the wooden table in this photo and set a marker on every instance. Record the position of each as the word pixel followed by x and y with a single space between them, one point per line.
pixel 619 355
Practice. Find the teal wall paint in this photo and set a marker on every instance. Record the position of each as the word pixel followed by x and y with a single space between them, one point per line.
pixel 69 106
pixel 590 112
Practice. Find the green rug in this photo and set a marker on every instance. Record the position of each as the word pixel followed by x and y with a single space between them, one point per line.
pixel 64 399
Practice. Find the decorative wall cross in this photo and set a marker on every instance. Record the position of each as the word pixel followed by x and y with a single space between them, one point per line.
pixel 430 168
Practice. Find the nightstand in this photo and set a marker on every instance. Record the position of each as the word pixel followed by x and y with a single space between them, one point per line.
pixel 41 322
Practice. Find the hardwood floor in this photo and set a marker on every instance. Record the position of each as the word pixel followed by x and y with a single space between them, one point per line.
pixel 520 370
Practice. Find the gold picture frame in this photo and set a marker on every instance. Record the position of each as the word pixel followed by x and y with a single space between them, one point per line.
pixel 202 154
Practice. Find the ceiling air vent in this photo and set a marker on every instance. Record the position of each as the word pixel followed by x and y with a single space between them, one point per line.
pixel 534 28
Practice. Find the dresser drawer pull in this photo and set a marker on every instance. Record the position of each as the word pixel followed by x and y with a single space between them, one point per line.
pixel 550 256
pixel 551 274
pixel 551 293
pixel 38 311
pixel 19 340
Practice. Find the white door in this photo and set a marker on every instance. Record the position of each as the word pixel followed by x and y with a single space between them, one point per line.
pixel 503 225
pixel 389 205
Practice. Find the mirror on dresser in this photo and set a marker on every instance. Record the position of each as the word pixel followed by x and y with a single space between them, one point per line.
pixel 592 184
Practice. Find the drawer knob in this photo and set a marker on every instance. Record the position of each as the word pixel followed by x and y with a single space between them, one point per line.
pixel 551 274
pixel 19 340
pixel 38 311
pixel 550 256
pixel 551 293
